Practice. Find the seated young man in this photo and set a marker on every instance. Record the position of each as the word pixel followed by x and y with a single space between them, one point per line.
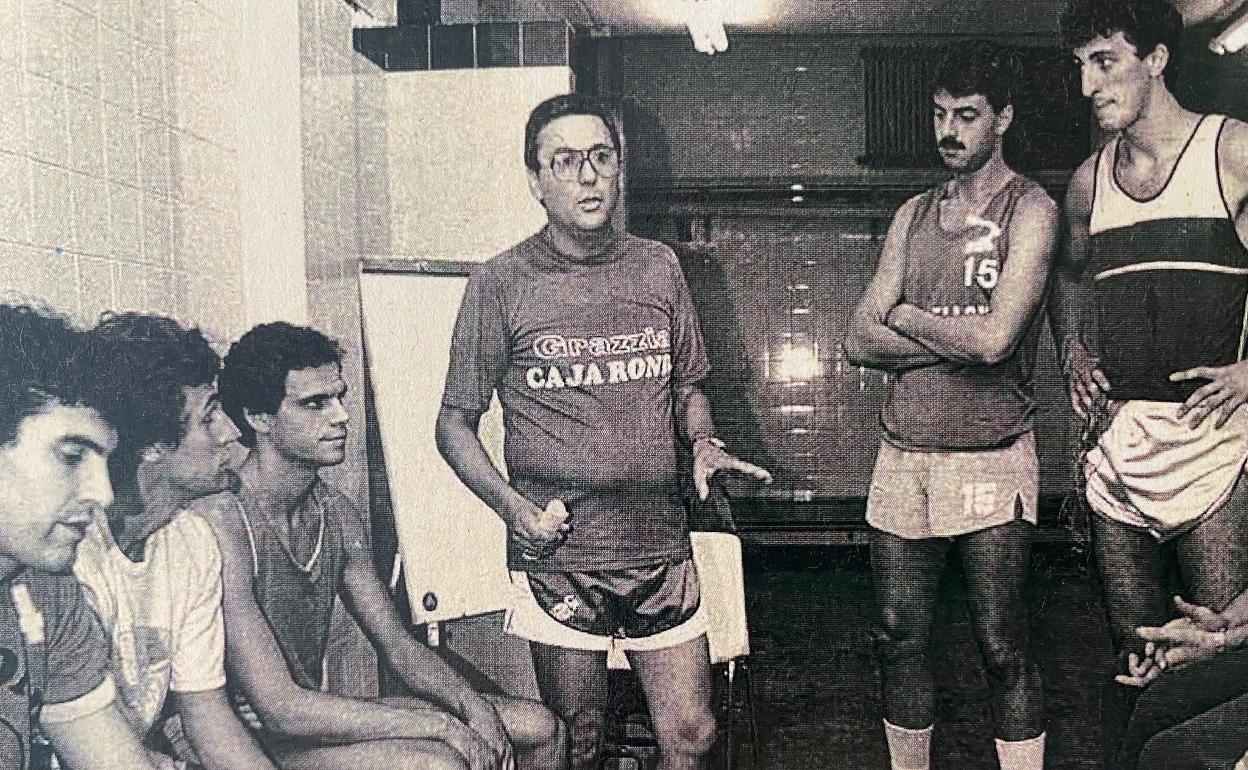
pixel 54 446
pixel 152 570
pixel 291 544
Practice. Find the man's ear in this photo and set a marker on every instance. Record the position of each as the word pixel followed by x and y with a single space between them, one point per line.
pixel 1004 119
pixel 534 188
pixel 1157 60
pixel 260 423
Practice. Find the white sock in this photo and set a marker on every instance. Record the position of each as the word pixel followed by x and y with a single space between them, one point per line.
pixel 908 749
pixel 1021 755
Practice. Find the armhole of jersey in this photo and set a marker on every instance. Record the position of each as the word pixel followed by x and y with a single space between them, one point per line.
pixel 251 539
pixel 1217 170
pixel 1096 184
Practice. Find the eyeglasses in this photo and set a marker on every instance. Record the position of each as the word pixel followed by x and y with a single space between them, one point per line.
pixel 566 163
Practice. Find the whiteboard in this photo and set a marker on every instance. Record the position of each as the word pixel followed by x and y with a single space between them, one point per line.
pixel 453 546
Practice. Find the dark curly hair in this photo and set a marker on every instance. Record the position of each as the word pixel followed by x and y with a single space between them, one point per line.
pixel 40 365
pixel 1144 24
pixel 978 67
pixel 141 364
pixel 254 377
pixel 558 107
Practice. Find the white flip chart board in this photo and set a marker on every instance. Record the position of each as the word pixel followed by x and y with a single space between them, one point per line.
pixel 453 546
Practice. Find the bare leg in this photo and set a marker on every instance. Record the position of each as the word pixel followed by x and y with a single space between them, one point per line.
pixel 905 575
pixel 1213 557
pixel 574 684
pixel 538 736
pixel 677 684
pixel 390 754
pixel 995 562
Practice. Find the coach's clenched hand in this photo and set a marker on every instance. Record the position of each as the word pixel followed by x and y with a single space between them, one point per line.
pixel 538 531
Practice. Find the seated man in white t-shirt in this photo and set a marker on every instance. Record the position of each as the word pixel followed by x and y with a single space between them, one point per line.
pixel 152 570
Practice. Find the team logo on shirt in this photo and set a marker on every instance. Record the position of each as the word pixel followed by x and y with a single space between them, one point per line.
pixel 655 361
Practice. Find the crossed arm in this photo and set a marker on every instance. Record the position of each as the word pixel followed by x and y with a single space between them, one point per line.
pixel 871 341
pixel 990 339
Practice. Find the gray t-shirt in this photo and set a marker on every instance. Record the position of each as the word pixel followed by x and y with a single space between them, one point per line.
pixel 585 356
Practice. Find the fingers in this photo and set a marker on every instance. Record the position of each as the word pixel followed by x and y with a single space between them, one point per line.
pixel 1098 377
pixel 702 473
pixel 1199 373
pixel 1140 671
pixel 1203 617
pixel 738 465
pixel 1172 635
pixel 1229 409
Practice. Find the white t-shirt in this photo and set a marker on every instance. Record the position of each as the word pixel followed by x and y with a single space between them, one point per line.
pixel 163 614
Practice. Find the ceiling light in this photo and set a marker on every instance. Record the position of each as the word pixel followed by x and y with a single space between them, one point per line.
pixel 705 21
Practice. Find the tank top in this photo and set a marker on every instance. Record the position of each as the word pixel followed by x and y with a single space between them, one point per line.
pixel 951 405
pixel 296 590
pixel 1170 273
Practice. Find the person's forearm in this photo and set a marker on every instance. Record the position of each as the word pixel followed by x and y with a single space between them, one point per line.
pixel 969 339
pixel 220 740
pixel 1236 613
pixel 458 443
pixel 1068 297
pixel 876 346
pixel 334 718
pixel 693 414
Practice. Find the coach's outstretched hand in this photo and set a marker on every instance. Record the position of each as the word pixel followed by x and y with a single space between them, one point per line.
pixel 709 458
pixel 1226 391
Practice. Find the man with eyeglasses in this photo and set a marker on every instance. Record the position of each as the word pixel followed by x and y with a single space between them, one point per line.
pixel 591 341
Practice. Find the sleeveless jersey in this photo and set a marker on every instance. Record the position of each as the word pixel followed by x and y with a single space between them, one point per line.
pixel 1170 273
pixel 952 270
pixel 296 592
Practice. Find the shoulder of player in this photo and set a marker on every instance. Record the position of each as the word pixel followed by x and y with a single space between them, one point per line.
pixel 192 536
pixel 1233 149
pixel 1082 183
pixel 1034 199
pixel 223 515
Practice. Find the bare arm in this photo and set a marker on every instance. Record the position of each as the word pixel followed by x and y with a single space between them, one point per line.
pixel 456 436
pixel 219 739
pixel 420 668
pixel 693 415
pixel 870 341
pixel 1018 294
pixel 98 741
pixel 256 665
pixel 1233 164
pixel 1070 298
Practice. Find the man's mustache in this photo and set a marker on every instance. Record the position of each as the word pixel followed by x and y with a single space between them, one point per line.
pixel 949 143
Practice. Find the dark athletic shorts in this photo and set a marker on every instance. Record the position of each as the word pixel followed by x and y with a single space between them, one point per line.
pixel 639 608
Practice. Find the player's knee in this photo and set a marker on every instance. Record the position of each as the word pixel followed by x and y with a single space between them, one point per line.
pixel 690 732
pixel 1006 663
pixel 442 758
pixel 897 641
pixel 1161 752
pixel 542 727
pixel 585 728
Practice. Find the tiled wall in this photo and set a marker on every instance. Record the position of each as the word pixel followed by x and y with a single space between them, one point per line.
pixel 118 170
pixel 330 124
